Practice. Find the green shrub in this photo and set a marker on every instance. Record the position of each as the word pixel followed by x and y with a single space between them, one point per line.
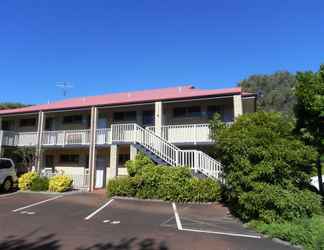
pixel 25 181
pixel 39 184
pixel 272 203
pixel 134 167
pixel 163 182
pixel 123 186
pixel 204 190
pixel 266 167
pixel 60 183
pixel 308 232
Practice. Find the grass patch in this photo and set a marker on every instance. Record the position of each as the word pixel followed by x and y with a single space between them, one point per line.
pixel 308 232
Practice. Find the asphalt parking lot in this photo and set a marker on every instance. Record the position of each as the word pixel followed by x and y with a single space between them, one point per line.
pixel 89 221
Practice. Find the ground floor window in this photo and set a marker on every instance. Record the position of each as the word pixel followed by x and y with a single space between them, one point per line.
pixel 70 159
pixel 122 158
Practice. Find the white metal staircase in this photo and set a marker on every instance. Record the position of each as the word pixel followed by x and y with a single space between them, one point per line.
pixel 197 160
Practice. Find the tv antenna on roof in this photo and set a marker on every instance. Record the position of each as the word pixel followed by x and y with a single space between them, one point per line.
pixel 64 86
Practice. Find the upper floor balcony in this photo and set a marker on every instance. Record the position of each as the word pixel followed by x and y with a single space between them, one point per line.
pixel 186 134
pixel 182 122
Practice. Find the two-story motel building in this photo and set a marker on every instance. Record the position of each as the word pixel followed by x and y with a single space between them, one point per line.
pixel 90 138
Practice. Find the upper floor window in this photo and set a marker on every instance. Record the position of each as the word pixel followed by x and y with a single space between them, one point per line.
pixel 72 119
pixel 6 125
pixel 193 111
pixel 211 110
pixel 125 116
pixel 70 159
pixel 148 117
pixel 29 122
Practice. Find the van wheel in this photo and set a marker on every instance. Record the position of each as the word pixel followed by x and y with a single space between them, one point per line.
pixel 7 185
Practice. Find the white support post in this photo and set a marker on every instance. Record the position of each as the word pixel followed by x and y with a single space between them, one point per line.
pixel 132 152
pixel 158 118
pixel 196 161
pixel 40 129
pixel 92 147
pixel 113 168
pixel 237 106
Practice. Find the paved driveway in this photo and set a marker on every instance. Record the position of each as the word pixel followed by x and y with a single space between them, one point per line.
pixel 88 221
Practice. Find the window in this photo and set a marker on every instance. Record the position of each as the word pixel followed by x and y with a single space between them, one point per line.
pixel 6 125
pixel 49 123
pixel 4 164
pixel 211 110
pixel 125 116
pixel 122 158
pixel 49 161
pixel 72 119
pixel 193 111
pixel 30 122
pixel 148 117
pixel 179 112
pixel 69 159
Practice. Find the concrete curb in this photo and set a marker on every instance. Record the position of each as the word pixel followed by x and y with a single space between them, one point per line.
pixel 286 243
pixel 52 193
pixel 157 200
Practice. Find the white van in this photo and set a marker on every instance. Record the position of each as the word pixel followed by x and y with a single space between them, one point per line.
pixel 8 176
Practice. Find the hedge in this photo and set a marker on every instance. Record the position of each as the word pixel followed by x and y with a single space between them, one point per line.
pixel 149 181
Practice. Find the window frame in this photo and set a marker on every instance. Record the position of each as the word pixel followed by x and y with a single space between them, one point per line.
pixel 125 116
pixel 72 119
pixel 186 112
pixel 70 160
pixel 27 122
pixel 218 109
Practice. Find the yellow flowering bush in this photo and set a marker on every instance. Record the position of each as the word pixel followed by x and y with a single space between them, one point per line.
pixel 60 183
pixel 25 181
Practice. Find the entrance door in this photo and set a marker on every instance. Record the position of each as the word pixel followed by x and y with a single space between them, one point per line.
pixel 100 172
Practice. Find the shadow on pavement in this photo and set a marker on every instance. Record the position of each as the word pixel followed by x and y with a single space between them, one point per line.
pixel 19 243
pixel 129 244
pixel 50 243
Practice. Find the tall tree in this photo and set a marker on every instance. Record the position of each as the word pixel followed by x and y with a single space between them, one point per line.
pixel 309 112
pixel 275 91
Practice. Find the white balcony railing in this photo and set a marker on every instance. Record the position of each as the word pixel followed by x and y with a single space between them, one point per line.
pixel 11 138
pixel 186 133
pixel 66 137
pixel 104 136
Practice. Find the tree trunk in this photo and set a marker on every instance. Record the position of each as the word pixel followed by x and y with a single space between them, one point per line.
pixel 319 173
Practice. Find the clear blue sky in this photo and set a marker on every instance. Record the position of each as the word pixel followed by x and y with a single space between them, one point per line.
pixel 108 46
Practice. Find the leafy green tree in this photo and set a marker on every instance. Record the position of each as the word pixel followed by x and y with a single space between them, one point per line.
pixel 11 105
pixel 275 91
pixel 309 112
pixel 267 170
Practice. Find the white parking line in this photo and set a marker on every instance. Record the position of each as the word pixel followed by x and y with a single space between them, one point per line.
pixel 8 195
pixel 177 217
pixel 180 228
pixel 37 203
pixel 98 210
pixel 222 233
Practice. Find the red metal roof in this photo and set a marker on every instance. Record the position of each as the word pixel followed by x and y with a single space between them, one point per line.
pixel 150 95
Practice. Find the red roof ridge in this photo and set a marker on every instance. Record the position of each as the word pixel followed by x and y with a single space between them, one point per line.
pixel 122 98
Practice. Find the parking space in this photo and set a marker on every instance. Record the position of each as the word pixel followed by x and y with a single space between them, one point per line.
pixel 212 218
pixel 91 221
